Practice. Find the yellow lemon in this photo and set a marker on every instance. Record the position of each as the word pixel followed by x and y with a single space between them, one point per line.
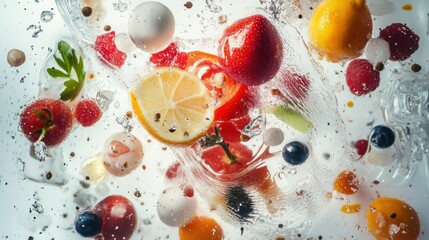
pixel 340 29
pixel 173 105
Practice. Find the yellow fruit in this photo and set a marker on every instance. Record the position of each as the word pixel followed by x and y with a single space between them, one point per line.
pixel 392 219
pixel 340 29
pixel 201 228
pixel 173 105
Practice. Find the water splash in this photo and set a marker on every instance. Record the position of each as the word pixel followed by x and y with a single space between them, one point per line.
pixel 46 16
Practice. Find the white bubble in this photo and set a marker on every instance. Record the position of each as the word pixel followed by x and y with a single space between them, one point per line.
pixel 273 136
pixel 151 26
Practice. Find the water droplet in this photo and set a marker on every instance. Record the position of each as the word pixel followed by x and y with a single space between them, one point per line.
pixel 255 127
pixel 120 6
pixel 213 7
pixel 46 16
pixel 104 98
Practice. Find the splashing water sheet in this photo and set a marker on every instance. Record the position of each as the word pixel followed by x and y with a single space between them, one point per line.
pixel 280 179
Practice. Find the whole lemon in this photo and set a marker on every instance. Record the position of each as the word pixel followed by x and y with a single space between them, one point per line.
pixel 340 29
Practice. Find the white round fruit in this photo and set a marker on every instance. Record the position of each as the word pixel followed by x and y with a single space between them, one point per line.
pixel 122 153
pixel 174 208
pixel 377 50
pixel 273 136
pixel 151 26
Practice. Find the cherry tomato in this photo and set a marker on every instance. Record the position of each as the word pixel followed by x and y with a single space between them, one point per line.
pixel 235 99
pixel 118 215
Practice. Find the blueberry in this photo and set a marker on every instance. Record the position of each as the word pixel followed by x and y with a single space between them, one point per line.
pixel 382 137
pixel 239 203
pixel 88 224
pixel 295 153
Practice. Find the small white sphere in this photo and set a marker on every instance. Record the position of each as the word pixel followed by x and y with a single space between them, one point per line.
pixel 93 169
pixel 273 136
pixel 151 26
pixel 377 50
pixel 122 153
pixel 174 208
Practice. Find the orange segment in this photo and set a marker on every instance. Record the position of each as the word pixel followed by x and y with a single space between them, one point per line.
pixel 201 228
pixel 173 105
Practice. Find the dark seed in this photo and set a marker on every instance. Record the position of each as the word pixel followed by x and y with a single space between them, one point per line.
pixel 86 11
pixel 416 67
pixel 188 5
pixel 393 215
pixel 379 66
pixel 107 28
pixel 157 117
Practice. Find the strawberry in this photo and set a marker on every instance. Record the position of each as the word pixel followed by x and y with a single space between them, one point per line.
pixel 361 77
pixel 87 112
pixel 403 41
pixel 47 120
pixel 106 47
pixel 250 50
pixel 169 57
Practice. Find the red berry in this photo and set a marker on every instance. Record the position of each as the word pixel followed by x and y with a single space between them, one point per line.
pixel 172 171
pixel 118 215
pixel 297 85
pixel 87 112
pixel 169 57
pixel 106 47
pixel 361 77
pixel 250 50
pixel 50 117
pixel 361 146
pixel 188 191
pixel 403 42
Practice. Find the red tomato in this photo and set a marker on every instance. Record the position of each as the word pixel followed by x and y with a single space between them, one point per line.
pixel 118 215
pixel 234 98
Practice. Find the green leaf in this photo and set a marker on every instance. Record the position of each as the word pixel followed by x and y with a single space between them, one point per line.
pixel 292 118
pixel 65 50
pixel 61 63
pixel 71 91
pixel 55 73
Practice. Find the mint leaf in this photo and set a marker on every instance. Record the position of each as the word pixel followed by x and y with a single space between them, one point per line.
pixel 55 73
pixel 72 90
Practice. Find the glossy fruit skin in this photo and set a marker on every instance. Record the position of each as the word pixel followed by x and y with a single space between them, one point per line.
pixel 169 57
pixel 346 183
pixel 339 30
pixel 106 47
pixel 403 41
pixel 235 99
pixel 61 116
pixel 361 146
pixel 217 160
pixel 231 130
pixel 250 50
pixel 201 228
pixel 382 137
pixel 118 215
pixel 295 153
pixel 388 215
pixel 88 224
pixel 87 112
pixel 361 77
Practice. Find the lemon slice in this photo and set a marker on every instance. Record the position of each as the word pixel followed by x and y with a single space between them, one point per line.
pixel 173 105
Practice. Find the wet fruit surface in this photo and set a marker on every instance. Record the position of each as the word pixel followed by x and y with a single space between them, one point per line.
pixel 393 219
pixel 346 183
pixel 202 228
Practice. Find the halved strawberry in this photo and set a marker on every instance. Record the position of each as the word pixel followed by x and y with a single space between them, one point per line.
pixel 106 47
pixel 47 120
pixel 250 50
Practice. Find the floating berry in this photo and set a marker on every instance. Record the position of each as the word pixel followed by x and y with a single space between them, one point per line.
pixel 361 146
pixel 106 47
pixel 88 224
pixel 403 41
pixel 382 137
pixel 346 183
pixel 118 215
pixel 273 136
pixel 295 153
pixel 361 77
pixel 87 112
